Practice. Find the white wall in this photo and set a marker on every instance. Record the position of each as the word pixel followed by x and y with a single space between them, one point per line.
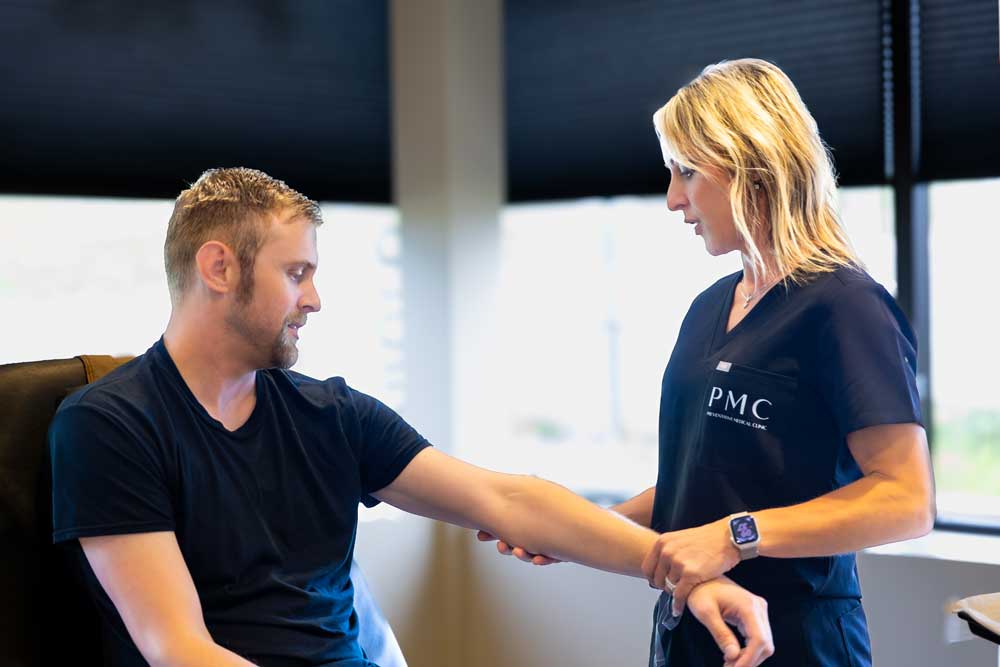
pixel 906 592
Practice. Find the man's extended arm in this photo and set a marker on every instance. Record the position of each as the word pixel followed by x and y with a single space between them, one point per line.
pixel 546 518
pixel 638 509
pixel 540 516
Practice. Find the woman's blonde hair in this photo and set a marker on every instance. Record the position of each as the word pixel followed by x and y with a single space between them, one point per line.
pixel 746 119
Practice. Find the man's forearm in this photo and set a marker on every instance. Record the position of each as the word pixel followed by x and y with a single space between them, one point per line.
pixel 543 517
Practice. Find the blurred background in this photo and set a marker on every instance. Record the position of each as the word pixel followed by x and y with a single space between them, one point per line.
pixel 498 262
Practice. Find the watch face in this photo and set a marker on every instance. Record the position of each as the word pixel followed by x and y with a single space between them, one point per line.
pixel 744 529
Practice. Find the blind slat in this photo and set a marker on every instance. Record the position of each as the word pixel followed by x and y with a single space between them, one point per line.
pixel 584 78
pixel 959 89
pixel 137 99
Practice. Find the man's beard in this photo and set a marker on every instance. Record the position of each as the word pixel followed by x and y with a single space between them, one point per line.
pixel 284 353
pixel 277 351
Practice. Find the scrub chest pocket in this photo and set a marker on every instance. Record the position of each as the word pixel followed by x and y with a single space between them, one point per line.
pixel 746 419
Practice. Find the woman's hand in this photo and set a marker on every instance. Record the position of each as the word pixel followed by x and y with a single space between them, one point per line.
pixel 690 557
pixel 714 603
pixel 507 550
pixel 720 601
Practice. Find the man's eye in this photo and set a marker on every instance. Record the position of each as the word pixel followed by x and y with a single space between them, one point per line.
pixel 297 275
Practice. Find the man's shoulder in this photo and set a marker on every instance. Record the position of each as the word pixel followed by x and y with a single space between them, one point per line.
pixel 118 412
pixel 124 389
pixel 330 396
pixel 331 392
pixel 300 382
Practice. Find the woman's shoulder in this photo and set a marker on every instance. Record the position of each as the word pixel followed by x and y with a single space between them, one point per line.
pixel 844 284
pixel 851 294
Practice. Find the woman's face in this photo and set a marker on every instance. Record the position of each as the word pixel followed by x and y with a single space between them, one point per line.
pixel 704 200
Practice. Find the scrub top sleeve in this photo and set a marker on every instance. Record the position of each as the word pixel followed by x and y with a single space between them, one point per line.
pixel 388 444
pixel 106 479
pixel 867 359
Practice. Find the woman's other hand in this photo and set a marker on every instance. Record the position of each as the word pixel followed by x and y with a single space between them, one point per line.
pixel 507 550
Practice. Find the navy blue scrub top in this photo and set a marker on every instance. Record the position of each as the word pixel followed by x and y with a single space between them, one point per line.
pixel 758 417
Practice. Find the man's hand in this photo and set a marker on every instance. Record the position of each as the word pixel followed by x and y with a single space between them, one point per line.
pixel 720 601
pixel 689 557
pixel 507 550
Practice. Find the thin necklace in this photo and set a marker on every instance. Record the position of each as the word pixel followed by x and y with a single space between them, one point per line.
pixel 747 298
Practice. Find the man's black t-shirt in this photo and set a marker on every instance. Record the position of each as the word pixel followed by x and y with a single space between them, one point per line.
pixel 265 516
pixel 758 417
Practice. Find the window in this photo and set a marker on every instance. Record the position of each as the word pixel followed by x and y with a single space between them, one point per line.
pixel 81 276
pixel 592 296
pixel 868 215
pixel 964 368
pixel 85 275
pixel 358 332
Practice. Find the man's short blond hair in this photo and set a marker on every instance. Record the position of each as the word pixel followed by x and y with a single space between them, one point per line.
pixel 233 206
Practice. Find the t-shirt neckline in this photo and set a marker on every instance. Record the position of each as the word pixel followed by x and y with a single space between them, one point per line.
pixel 162 356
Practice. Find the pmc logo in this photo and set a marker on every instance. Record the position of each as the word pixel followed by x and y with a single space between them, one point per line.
pixel 734 408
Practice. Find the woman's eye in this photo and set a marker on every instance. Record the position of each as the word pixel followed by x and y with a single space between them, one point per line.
pixel 687 173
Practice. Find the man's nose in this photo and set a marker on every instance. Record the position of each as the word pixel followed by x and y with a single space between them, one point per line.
pixel 311 300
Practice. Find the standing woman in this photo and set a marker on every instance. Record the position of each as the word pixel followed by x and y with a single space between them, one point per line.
pixel 790 429
pixel 790 426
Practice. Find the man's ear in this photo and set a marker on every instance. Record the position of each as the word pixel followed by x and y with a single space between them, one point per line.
pixel 217 267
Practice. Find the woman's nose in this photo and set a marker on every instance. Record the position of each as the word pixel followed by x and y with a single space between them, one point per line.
pixel 675 195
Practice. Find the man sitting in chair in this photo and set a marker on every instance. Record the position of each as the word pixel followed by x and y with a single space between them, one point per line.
pixel 214 493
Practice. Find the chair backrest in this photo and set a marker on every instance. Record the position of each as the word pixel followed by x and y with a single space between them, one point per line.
pixel 47 617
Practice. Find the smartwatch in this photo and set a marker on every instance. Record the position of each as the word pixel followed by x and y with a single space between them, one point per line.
pixel 743 533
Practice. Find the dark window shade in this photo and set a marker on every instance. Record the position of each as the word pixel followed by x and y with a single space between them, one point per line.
pixel 132 98
pixel 583 79
pixel 959 89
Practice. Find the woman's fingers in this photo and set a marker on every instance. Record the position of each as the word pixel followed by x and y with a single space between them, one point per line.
pixel 508 550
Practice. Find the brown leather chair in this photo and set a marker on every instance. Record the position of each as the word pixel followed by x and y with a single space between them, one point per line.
pixel 46 616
